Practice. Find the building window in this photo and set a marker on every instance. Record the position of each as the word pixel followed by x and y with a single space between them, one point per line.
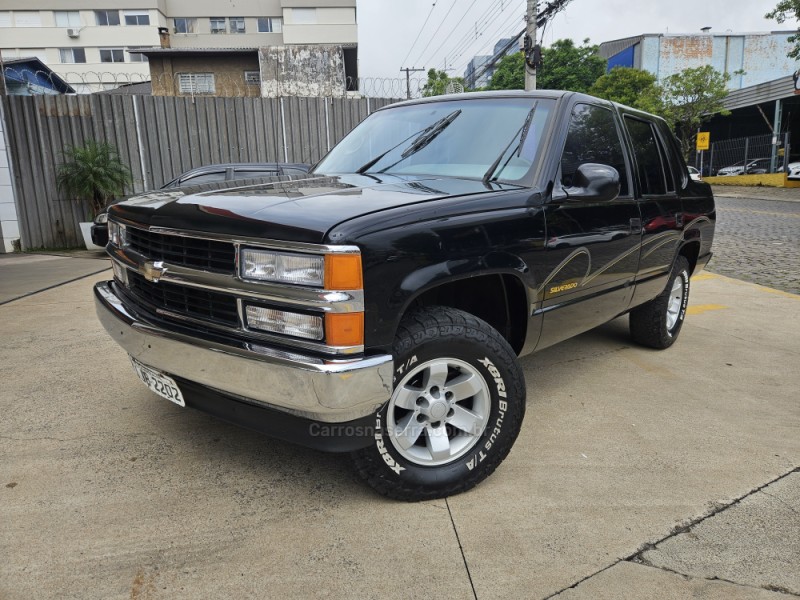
pixel 112 55
pixel 269 25
pixel 185 25
pixel 27 18
pixel 5 19
pixel 196 83
pixel 237 24
pixel 68 18
pixel 73 55
pixel 107 17
pixel 217 25
pixel 252 77
pixel 137 57
pixel 304 16
pixel 136 18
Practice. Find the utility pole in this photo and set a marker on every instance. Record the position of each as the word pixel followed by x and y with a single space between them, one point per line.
pixel 408 80
pixel 532 15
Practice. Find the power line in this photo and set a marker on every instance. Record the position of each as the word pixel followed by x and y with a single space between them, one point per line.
pixel 496 57
pixel 491 38
pixel 433 6
pixel 489 17
pixel 466 12
pixel 444 19
pixel 550 10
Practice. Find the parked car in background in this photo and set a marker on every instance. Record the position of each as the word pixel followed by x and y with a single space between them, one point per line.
pixel 208 174
pixel 755 166
pixel 793 171
pixel 694 174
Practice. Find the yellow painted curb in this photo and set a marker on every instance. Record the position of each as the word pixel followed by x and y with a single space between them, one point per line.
pixel 767 179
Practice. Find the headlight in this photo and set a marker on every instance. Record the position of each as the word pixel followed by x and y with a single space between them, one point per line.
pixel 286 323
pixel 101 218
pixel 116 234
pixel 341 271
pixel 264 265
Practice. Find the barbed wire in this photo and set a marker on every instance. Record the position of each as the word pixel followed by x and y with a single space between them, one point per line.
pixel 225 84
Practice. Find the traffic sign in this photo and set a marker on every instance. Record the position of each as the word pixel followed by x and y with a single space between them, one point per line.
pixel 703 140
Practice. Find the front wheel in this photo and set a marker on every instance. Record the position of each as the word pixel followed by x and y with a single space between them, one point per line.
pixel 456 408
pixel 657 323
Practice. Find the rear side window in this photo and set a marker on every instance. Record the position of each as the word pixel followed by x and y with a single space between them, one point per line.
pixel 204 178
pixel 592 138
pixel 649 157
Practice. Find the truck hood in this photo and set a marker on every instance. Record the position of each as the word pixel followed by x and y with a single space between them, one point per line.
pixel 301 210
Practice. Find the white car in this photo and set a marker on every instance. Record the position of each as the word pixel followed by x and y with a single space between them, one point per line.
pixel 695 174
pixel 794 171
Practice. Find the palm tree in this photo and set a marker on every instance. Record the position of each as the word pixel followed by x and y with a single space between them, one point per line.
pixel 93 173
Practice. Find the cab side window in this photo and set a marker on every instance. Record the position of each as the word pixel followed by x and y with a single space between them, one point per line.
pixel 649 158
pixel 592 138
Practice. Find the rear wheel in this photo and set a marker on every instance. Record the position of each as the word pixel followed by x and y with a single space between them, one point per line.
pixel 456 409
pixel 657 323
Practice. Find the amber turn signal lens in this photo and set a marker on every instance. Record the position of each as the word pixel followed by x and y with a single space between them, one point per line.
pixel 344 329
pixel 343 272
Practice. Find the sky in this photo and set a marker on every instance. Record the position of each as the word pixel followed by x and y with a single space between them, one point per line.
pixel 424 34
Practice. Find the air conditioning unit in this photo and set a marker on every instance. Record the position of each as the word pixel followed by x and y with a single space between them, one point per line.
pixel 73 32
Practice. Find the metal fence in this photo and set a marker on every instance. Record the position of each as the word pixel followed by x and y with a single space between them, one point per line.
pixel 743 156
pixel 159 138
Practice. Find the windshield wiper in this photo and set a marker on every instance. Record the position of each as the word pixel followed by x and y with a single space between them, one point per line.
pixel 425 138
pixel 523 134
pixel 363 168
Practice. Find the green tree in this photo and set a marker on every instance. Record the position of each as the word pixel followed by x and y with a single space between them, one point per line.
pixel 632 87
pixel 566 66
pixel 510 73
pixel 92 173
pixel 690 98
pixel 438 81
pixel 788 10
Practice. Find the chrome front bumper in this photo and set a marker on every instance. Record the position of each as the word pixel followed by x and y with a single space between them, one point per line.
pixel 332 391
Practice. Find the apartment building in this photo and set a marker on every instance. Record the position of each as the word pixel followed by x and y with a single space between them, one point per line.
pixel 88 42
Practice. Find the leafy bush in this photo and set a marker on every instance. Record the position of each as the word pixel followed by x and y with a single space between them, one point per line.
pixel 94 174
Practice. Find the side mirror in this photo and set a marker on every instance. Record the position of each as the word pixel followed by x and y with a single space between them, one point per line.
pixel 594 182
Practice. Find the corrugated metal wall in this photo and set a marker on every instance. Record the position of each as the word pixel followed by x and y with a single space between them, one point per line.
pixel 159 138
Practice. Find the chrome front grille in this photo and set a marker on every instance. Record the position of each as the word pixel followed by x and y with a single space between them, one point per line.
pixel 186 301
pixel 189 276
pixel 195 253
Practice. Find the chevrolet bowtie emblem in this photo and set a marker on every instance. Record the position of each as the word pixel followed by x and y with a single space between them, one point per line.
pixel 153 270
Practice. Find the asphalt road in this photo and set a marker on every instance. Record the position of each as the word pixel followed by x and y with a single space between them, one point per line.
pixel 759 241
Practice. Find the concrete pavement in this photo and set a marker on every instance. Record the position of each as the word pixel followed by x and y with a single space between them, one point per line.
pixel 24 274
pixel 107 491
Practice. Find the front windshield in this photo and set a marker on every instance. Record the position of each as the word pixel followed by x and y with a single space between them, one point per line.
pixel 487 138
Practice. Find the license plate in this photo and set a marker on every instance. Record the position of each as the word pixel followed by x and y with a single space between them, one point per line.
pixel 158 382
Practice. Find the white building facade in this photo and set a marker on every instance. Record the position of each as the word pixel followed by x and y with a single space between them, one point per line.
pixel 88 42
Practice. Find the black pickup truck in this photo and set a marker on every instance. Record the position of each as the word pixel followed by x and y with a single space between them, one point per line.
pixel 380 304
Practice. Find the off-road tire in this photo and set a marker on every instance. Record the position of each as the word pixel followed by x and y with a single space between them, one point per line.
pixel 650 323
pixel 425 339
